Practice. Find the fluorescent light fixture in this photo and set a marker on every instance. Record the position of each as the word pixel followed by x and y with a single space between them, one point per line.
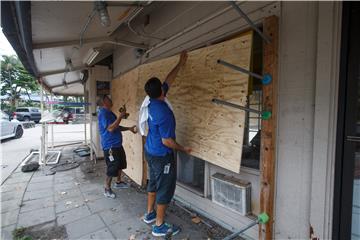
pixel 90 56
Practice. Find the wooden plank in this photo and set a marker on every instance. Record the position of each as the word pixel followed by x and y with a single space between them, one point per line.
pixel 214 132
pixel 124 90
pixel 268 131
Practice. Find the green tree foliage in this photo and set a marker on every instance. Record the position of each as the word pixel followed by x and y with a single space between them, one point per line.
pixel 15 79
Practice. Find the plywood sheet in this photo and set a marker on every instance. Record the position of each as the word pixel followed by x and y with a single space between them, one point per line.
pixel 124 91
pixel 214 132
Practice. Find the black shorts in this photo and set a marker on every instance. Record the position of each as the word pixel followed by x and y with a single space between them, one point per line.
pixel 162 177
pixel 119 162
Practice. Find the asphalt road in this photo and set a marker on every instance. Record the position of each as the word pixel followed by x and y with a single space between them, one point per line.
pixel 14 151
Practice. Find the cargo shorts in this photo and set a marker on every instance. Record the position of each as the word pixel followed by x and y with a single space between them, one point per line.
pixel 162 178
pixel 118 163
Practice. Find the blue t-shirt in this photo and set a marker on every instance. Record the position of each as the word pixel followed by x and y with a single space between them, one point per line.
pixel 108 139
pixel 161 125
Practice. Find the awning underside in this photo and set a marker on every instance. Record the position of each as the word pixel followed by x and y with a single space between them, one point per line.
pixel 62 39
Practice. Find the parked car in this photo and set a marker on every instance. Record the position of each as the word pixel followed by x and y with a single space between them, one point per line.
pixel 67 115
pixel 27 114
pixel 9 128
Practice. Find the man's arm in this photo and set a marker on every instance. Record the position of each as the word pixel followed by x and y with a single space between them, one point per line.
pixel 116 123
pixel 132 129
pixel 171 143
pixel 172 75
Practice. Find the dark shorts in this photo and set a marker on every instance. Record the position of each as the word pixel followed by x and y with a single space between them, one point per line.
pixel 119 162
pixel 162 177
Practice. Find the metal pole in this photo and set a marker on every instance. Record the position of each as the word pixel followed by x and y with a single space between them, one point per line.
pixel 46 136
pixel 91 145
pixel 235 234
pixel 85 122
pixel 52 125
pixel 233 105
pixel 41 99
pixel 42 142
pixel 248 20
pixel 240 69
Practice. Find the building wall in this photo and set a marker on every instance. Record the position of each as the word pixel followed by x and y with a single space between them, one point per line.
pixel 301 168
pixel 296 98
pixel 307 97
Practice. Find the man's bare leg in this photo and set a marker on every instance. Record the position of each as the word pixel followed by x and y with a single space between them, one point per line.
pixel 119 176
pixel 151 201
pixel 108 182
pixel 160 213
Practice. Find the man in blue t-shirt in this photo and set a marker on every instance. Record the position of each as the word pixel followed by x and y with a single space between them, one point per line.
pixel 159 152
pixel 111 142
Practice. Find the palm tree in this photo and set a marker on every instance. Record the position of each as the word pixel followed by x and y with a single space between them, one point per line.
pixel 15 79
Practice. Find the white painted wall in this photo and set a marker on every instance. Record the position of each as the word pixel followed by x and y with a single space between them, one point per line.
pixel 96 73
pixel 296 99
pixel 309 45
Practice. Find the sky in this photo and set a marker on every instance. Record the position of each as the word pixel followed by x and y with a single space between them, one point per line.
pixel 5 47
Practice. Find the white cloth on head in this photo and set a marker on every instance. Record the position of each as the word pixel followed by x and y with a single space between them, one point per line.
pixel 144 114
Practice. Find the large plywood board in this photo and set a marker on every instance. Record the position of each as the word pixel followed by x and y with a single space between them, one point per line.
pixel 124 91
pixel 214 132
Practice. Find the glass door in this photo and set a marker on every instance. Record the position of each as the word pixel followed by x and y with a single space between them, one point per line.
pixel 347 179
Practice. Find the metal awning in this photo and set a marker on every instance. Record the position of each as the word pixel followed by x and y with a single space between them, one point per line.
pixel 54 40
pixel 57 41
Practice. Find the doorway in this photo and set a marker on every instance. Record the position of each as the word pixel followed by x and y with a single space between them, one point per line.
pixel 346 219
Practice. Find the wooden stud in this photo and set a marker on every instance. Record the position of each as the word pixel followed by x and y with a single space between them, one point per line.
pixel 268 131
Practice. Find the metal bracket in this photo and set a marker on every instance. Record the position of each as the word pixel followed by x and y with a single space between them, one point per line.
pixel 265 115
pixel 266 79
pixel 233 105
pixel 248 20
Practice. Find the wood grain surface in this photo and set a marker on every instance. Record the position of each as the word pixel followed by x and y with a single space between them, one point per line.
pixel 214 132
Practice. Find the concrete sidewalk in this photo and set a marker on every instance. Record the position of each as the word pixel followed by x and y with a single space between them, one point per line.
pixel 16 150
pixel 70 205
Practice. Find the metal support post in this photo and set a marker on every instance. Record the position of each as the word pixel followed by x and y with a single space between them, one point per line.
pixel 248 20
pixel 42 142
pixel 85 120
pixel 52 125
pixel 91 145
